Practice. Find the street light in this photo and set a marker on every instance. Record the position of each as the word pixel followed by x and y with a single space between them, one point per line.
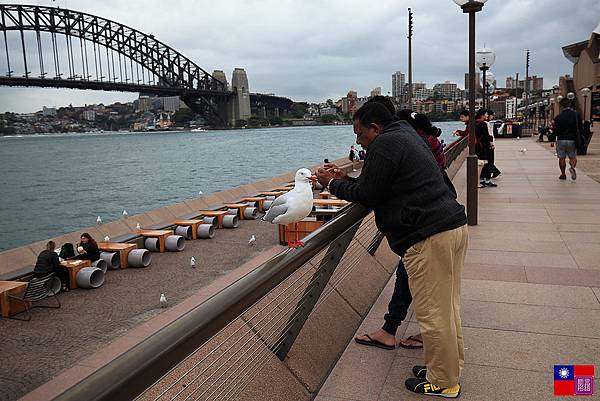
pixel 484 58
pixel 471 7
pixel 585 92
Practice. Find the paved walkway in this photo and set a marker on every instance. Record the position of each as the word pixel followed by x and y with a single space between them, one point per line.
pixel 531 290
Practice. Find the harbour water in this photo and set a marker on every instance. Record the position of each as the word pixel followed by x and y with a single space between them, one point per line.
pixel 57 183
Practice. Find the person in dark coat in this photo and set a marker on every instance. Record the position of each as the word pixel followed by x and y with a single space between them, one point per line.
pixel 418 214
pixel 48 262
pixel 567 128
pixel 87 249
pixel 483 148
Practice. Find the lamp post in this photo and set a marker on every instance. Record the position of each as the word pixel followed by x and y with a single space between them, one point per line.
pixel 485 58
pixel 471 7
pixel 585 92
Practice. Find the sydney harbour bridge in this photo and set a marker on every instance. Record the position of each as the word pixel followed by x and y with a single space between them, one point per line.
pixel 60 48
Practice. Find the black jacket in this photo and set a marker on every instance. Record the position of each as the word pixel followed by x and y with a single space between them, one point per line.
pixel 483 141
pixel 566 124
pixel 47 262
pixel 404 186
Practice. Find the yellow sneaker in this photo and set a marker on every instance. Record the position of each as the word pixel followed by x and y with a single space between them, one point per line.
pixel 422 386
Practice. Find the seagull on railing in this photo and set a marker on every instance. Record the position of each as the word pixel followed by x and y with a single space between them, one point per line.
pixel 293 206
pixel 98 221
pixel 125 214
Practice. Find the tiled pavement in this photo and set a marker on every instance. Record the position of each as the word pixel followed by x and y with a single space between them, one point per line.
pixel 531 290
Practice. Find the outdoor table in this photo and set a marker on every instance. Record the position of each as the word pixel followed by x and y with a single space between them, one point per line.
pixel 73 266
pixel 193 223
pixel 260 200
pixel 329 202
pixel 122 248
pixel 271 193
pixel 239 206
pixel 215 213
pixel 283 188
pixel 160 234
pixel 7 307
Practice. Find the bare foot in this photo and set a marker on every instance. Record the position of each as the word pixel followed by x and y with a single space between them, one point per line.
pixel 381 336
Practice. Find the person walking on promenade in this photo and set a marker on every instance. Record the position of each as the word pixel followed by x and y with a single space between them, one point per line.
pixel 492 156
pixel 463 117
pixel 483 147
pixel 47 262
pixel 353 156
pixel 567 128
pixel 421 219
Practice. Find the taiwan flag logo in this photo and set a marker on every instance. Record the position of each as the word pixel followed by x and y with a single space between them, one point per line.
pixel 573 379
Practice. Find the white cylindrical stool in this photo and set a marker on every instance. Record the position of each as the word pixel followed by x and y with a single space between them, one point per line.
pixel 112 259
pixel 90 277
pixel 152 244
pixel 230 221
pixel 184 231
pixel 232 211
pixel 55 286
pixel 211 220
pixel 251 213
pixel 139 258
pixel 101 264
pixel 206 231
pixel 175 243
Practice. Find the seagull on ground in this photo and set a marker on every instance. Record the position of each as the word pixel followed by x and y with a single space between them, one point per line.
pixel 98 220
pixel 106 239
pixel 193 262
pixel 200 192
pixel 163 301
pixel 138 227
pixel 252 240
pixel 125 214
pixel 293 206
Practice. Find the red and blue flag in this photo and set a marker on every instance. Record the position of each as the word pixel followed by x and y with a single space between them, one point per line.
pixel 573 379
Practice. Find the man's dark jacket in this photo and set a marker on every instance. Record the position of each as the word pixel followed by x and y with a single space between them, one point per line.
pixel 404 186
pixel 47 262
pixel 566 125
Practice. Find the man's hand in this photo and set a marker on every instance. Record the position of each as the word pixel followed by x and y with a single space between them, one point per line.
pixel 325 175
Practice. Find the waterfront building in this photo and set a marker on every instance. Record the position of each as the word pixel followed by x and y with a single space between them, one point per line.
pixel 585 56
pixel 171 103
pixel 325 110
pixel 398 83
pixel 49 111
pixel 422 93
pixel 89 115
pixel 350 103
pixel 144 103
pixel 446 90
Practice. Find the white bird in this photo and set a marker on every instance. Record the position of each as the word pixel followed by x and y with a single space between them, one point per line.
pixel 200 192
pixel 524 150
pixel 163 301
pixel 518 138
pixel 106 239
pixel 295 205
pixel 252 240
pixel 138 227
pixel 125 214
pixel 193 262
pixel 98 220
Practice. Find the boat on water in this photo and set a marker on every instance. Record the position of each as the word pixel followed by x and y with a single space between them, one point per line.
pixel 198 130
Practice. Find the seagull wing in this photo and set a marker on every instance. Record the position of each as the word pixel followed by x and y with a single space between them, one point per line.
pixel 278 207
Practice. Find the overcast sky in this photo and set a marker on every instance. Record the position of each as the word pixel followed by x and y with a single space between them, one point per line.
pixel 311 50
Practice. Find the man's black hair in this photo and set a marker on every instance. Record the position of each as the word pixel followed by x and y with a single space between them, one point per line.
pixel 480 113
pixel 490 112
pixel 464 112
pixel 373 113
pixel 384 101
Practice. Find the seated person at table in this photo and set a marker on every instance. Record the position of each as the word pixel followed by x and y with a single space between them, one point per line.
pixel 87 249
pixel 48 262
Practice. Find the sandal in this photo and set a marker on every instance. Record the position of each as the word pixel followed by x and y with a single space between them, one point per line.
pixel 373 343
pixel 411 338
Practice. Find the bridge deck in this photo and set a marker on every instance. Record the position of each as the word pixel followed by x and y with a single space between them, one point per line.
pixel 531 289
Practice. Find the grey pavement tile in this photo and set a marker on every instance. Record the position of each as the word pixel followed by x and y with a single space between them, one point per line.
pixel 494 272
pixel 521 258
pixel 492 243
pixel 587 255
pixel 597 293
pixel 568 276
pixel 530 318
pixel 579 237
pixel 529 294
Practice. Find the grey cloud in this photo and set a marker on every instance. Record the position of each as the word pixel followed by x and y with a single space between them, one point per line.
pixel 314 50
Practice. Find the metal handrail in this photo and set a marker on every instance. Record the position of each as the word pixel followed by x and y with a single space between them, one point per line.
pixel 133 372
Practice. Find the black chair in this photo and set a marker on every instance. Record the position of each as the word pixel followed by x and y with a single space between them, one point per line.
pixel 37 289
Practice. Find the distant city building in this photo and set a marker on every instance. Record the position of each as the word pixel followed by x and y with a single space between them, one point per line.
pixel 350 103
pixel 49 111
pixel 422 93
pixel 398 82
pixel 511 105
pixel 446 90
pixel 325 110
pixel 477 82
pixel 89 115
pixel 171 103
pixel 144 103
pixel 535 83
pixel 376 91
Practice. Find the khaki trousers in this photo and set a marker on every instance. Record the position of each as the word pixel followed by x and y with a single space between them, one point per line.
pixel 434 268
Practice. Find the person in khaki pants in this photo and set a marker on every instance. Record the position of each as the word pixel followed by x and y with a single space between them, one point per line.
pixel 416 209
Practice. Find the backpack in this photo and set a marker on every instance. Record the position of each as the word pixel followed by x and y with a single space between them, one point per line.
pixel 66 251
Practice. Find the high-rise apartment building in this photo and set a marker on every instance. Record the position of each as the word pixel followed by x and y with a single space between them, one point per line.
pixel 398 82
pixel 376 91
pixel 477 82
